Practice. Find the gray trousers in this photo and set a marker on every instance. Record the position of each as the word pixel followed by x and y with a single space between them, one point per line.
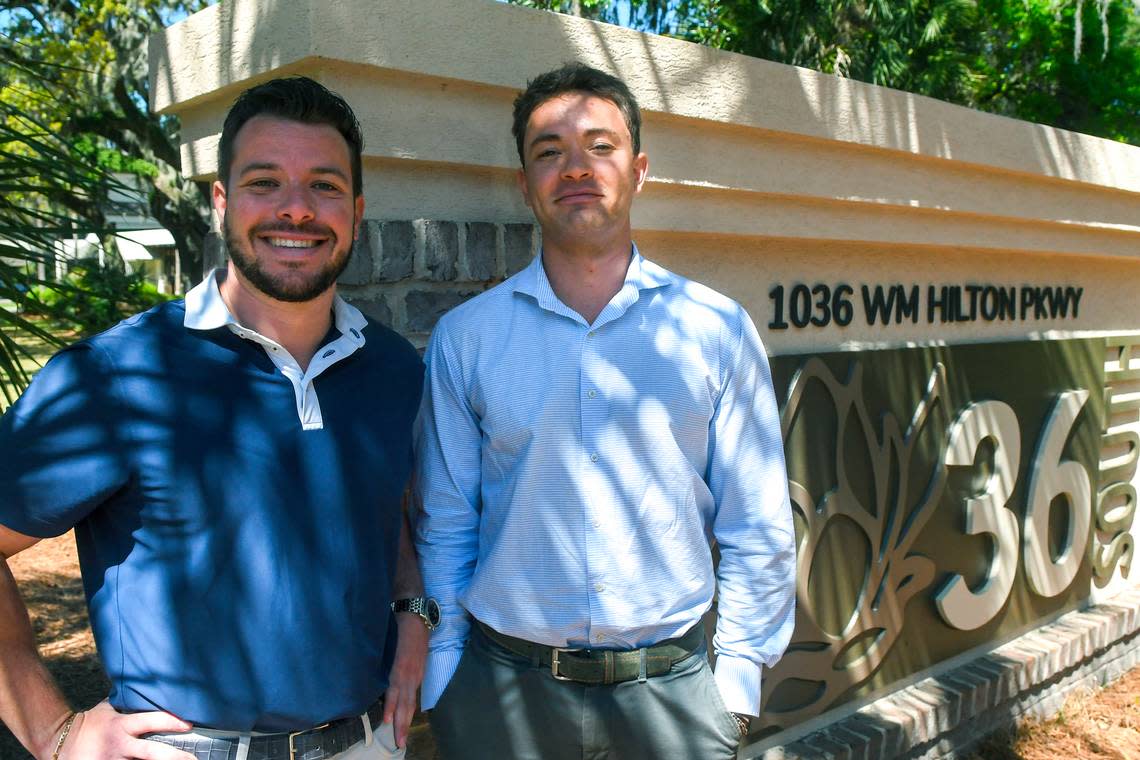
pixel 499 706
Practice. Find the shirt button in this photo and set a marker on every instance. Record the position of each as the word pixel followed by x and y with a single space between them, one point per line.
pixel 597 523
pixel 598 637
pixel 599 587
pixel 593 457
pixel 590 334
pixel 592 393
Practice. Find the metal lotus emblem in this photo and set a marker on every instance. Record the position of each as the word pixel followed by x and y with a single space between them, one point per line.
pixel 824 662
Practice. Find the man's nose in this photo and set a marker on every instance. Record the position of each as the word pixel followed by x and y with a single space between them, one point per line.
pixel 296 205
pixel 576 165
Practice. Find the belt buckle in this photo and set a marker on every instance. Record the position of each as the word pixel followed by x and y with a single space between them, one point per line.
pixel 554 652
pixel 292 750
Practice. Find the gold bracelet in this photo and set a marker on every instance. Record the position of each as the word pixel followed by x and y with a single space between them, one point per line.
pixel 67 724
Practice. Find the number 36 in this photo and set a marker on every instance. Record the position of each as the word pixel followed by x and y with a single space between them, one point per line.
pixel 987 513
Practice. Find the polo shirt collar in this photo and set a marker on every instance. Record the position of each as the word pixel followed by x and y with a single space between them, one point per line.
pixel 205 310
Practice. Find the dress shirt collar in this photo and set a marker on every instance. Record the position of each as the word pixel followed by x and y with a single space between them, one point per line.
pixel 642 274
pixel 205 310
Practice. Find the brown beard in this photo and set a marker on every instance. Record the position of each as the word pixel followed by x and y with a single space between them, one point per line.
pixel 281 288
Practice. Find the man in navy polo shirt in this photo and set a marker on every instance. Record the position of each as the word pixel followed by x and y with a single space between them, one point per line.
pixel 233 466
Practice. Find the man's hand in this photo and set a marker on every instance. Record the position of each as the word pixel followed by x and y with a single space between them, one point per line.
pixel 108 735
pixel 407 673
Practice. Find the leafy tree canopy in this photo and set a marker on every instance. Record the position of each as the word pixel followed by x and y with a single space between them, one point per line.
pixel 79 68
pixel 1063 64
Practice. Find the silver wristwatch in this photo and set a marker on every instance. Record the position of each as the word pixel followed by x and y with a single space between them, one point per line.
pixel 425 609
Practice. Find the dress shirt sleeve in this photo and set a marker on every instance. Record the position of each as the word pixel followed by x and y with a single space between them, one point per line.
pixel 753 523
pixel 448 444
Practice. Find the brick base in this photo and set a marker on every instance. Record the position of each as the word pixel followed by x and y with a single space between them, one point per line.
pixel 944 715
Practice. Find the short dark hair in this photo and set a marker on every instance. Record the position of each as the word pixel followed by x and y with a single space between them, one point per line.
pixel 294 99
pixel 575 77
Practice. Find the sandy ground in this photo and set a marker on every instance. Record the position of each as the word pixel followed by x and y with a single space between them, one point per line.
pixel 1105 724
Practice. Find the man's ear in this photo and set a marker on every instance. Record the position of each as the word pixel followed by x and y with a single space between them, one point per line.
pixel 520 181
pixel 641 170
pixel 359 221
pixel 218 196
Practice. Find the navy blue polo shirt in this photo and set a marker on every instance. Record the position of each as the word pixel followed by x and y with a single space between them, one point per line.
pixel 237 559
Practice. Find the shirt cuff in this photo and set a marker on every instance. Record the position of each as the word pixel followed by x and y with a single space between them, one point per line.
pixel 441 666
pixel 738 681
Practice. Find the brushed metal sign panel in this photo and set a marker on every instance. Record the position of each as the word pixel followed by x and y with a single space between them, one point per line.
pixel 944 498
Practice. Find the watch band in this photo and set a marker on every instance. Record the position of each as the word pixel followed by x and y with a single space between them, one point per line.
pixel 426 609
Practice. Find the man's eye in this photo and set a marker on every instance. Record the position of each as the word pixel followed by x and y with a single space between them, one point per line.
pixel 548 153
pixel 603 147
pixel 262 183
pixel 326 187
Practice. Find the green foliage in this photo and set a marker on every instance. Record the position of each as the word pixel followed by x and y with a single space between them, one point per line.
pixel 1038 68
pixel 584 8
pixel 111 160
pixel 650 15
pixel 36 167
pixel 93 298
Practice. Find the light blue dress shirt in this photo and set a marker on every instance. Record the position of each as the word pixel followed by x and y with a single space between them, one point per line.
pixel 573 475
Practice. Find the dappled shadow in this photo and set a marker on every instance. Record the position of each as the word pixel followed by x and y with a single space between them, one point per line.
pixel 833 108
pixel 647 438
pixel 57 608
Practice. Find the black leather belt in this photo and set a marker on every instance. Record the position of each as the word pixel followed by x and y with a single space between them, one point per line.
pixel 315 743
pixel 602 666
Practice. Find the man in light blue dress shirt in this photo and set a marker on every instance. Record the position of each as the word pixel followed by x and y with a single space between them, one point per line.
pixel 588 427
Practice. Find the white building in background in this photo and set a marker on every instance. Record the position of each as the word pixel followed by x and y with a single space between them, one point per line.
pixel 143 244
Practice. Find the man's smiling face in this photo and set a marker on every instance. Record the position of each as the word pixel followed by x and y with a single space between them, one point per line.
pixel 580 172
pixel 289 215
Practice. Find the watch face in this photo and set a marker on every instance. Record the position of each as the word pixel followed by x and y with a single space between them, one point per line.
pixel 433 614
